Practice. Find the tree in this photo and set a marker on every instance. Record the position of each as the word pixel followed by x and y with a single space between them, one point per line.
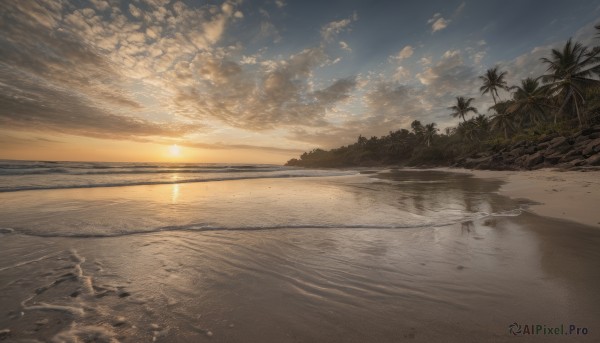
pixel 529 99
pixel 467 130
pixel 462 108
pixel 492 82
pixel 482 126
pixel 502 119
pixel 570 71
pixel 429 133
pixel 417 128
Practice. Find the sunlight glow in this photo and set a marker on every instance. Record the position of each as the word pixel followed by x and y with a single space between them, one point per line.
pixel 174 150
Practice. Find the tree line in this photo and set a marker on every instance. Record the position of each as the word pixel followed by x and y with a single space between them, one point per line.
pixel 564 99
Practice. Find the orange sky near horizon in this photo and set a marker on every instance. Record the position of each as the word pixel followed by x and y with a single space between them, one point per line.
pixel 25 146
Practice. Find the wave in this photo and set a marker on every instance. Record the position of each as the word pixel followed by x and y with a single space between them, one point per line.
pixel 70 171
pixel 162 182
pixel 209 227
pixel 201 228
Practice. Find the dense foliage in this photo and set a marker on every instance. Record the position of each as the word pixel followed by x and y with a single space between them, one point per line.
pixel 564 100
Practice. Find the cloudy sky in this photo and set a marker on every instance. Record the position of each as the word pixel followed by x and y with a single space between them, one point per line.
pixel 253 81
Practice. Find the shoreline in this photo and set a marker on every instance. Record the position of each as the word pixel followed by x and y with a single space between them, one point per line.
pixel 566 195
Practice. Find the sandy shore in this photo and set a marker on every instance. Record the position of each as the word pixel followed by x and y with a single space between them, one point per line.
pixel 570 195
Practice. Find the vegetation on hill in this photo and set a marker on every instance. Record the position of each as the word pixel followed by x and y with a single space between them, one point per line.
pixel 558 103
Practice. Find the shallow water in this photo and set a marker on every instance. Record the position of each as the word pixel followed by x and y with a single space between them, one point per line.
pixel 387 257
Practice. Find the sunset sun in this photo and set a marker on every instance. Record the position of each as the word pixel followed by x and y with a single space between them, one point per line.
pixel 174 150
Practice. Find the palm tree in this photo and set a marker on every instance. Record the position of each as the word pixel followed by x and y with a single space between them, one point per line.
pixel 482 123
pixel 492 81
pixel 462 108
pixel 529 98
pixel 429 132
pixel 502 119
pixel 570 72
pixel 467 130
pixel 417 128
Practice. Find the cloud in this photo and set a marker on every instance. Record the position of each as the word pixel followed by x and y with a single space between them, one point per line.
pixel 82 71
pixel 425 60
pixel 438 22
pixel 449 74
pixel 401 74
pixel 32 104
pixel 223 146
pixel 344 46
pixel 332 29
pixel 280 93
pixel 404 53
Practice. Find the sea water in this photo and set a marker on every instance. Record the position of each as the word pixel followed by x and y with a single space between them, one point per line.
pixel 135 252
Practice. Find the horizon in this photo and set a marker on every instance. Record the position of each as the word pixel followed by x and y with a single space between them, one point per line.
pixel 253 82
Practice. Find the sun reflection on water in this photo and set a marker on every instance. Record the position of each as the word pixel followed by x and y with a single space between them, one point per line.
pixel 174 193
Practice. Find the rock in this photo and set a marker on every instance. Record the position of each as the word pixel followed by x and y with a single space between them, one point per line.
pixel 554 158
pixel 593 160
pixel 581 139
pixel 520 160
pixel 558 141
pixel 548 137
pixel 577 162
pixel 475 162
pixel 4 334
pixel 591 147
pixel 533 160
pixel 594 135
pixel 569 158
pixel 518 151
pixel 542 146
pixel 529 150
pixel 586 131
pixel 572 152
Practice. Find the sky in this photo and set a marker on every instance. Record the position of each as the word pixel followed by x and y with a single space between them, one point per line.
pixel 254 81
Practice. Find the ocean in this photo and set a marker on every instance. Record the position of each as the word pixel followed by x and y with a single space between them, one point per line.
pixel 133 252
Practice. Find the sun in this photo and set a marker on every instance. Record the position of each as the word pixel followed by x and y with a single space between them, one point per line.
pixel 174 150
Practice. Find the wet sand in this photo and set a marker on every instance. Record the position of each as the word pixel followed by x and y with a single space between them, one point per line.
pixel 463 282
pixel 568 195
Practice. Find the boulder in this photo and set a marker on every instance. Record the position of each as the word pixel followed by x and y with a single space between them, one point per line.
pixel 548 137
pixel 518 151
pixel 542 146
pixel 529 150
pixel 571 155
pixel 558 141
pixel 533 159
pixel 554 158
pixel 520 160
pixel 593 160
pixel 586 131
pixel 577 162
pixel 474 163
pixel 591 147
pixel 581 138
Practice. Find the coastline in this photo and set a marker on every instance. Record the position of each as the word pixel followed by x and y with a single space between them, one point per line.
pixel 566 195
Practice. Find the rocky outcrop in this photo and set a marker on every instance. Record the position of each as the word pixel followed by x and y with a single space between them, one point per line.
pixel 577 151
